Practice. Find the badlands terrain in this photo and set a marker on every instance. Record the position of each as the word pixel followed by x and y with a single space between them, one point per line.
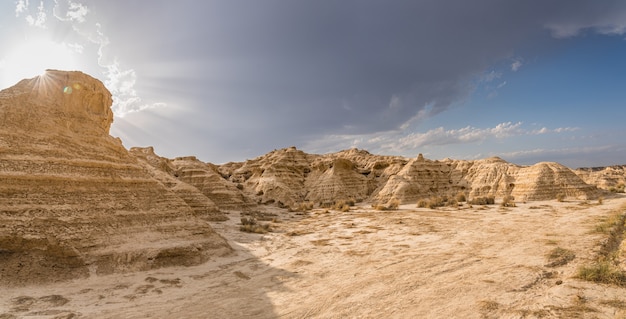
pixel 89 229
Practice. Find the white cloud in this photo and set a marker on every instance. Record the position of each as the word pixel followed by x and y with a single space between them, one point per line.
pixel 398 142
pixel 70 11
pixel 614 24
pixel 20 6
pixel 516 65
pixel 39 20
pixel 491 76
pixel 541 152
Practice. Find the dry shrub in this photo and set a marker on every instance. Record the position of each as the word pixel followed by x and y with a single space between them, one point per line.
pixel 606 268
pixel 486 200
pixel 603 272
pixel 422 203
pixel 341 206
pixel 250 225
pixel 302 207
pixel 508 201
pixel 393 204
pixel 559 257
pixel 460 197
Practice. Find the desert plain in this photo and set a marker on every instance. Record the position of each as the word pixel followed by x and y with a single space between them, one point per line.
pixel 463 262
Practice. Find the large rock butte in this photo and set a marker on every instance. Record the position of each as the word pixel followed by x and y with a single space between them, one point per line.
pixel 73 201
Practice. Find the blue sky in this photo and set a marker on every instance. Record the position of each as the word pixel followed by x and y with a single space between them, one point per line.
pixel 528 81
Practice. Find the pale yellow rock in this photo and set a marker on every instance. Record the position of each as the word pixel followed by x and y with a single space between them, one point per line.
pixel 73 201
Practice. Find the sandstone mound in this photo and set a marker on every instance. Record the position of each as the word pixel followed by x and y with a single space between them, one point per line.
pixel 611 178
pixel 73 201
pixel 207 179
pixel 164 171
pixel 290 176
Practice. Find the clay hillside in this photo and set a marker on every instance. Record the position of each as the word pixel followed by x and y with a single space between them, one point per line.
pixel 74 201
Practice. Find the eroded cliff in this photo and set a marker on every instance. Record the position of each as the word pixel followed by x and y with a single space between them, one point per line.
pixel 73 201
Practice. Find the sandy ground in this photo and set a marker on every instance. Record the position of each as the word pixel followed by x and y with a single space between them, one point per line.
pixel 480 262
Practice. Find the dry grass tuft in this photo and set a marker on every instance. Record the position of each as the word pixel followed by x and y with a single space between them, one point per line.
pixel 391 205
pixel 606 268
pixel 508 201
pixel 250 225
pixel 487 200
pixel 604 272
pixel 559 257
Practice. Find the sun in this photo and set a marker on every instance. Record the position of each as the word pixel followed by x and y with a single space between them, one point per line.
pixel 32 57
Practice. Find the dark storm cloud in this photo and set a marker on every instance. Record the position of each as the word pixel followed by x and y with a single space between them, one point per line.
pixel 287 71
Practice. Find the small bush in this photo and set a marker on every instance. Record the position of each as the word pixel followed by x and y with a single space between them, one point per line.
pixel 452 203
pixel 250 225
pixel 559 257
pixel 393 204
pixel 618 189
pixel 603 272
pixel 460 197
pixel 302 207
pixel 508 201
pixel 343 205
pixel 487 200
pixel 422 203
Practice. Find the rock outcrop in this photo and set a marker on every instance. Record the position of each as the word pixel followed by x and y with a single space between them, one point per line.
pixel 73 201
pixel 291 176
pixel 611 178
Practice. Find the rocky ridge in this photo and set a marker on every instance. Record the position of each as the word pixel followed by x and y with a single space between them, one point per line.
pixel 289 176
pixel 73 201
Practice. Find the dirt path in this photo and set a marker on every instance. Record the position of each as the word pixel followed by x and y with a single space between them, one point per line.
pixel 411 263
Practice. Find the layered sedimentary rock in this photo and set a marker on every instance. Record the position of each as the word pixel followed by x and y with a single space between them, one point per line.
pixel 206 178
pixel 611 178
pixel 164 171
pixel 290 176
pixel 73 201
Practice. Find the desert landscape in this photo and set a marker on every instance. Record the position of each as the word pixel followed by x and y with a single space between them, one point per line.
pixel 90 229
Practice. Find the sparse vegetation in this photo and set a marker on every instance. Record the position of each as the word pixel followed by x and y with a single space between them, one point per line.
pixel 617 189
pixel 487 200
pixel 437 201
pixel 604 272
pixel 302 207
pixel 250 225
pixel 559 257
pixel 391 205
pixel 343 205
pixel 605 269
pixel 460 197
pixel 508 201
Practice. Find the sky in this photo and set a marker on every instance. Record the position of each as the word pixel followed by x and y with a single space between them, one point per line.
pixel 230 80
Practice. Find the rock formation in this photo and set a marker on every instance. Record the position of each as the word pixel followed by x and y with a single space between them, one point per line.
pixel 73 201
pixel 290 176
pixel 611 178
